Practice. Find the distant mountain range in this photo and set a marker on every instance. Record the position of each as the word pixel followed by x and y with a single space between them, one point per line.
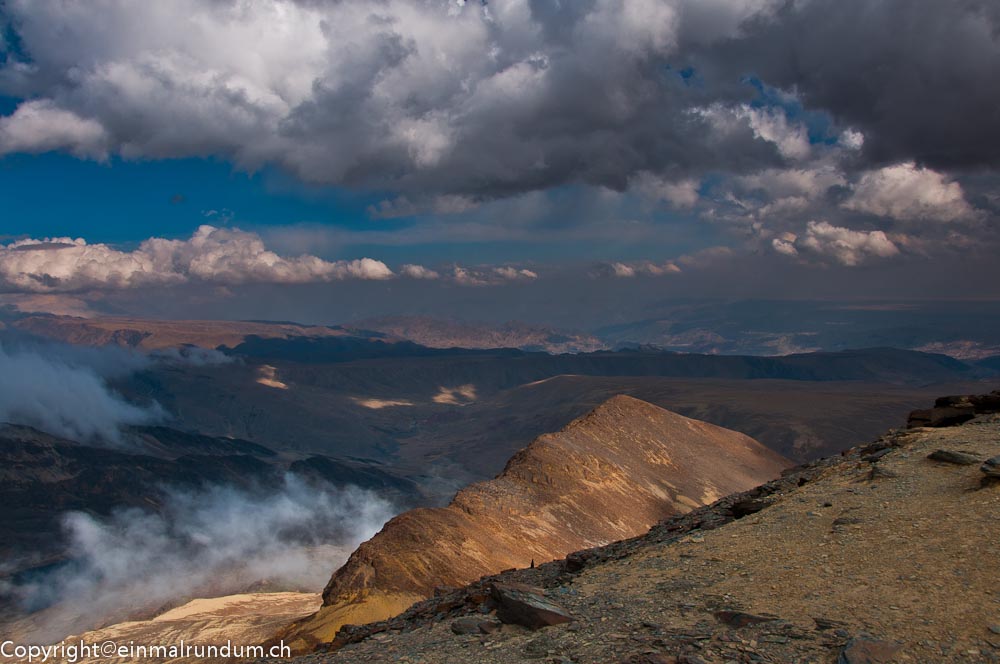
pixel 439 333
pixel 966 331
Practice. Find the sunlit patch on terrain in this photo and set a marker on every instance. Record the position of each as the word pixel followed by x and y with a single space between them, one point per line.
pixel 268 376
pixel 456 396
pixel 378 404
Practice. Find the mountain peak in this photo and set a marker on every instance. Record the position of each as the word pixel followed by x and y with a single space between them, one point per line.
pixel 607 475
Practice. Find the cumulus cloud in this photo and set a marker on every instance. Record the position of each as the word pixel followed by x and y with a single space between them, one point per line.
pixel 680 194
pixel 64 391
pixel 641 268
pixel 41 126
pixel 213 541
pixel 807 183
pixel 909 193
pixel 213 255
pixel 844 245
pixel 490 276
pixel 441 103
pixel 770 125
pixel 418 272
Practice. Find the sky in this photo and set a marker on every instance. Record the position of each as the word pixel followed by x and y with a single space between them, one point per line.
pixel 319 159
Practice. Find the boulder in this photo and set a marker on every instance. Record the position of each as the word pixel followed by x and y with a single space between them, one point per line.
pixel 945 416
pixel 518 604
pixel 952 456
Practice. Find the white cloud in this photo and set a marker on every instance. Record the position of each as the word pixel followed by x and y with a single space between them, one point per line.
pixel 846 246
pixel 679 193
pixel 215 255
pixel 806 183
pixel 418 272
pixel 40 126
pixel 64 391
pixel 909 193
pixel 772 125
pixel 785 244
pixel 490 276
pixel 639 268
pixel 769 124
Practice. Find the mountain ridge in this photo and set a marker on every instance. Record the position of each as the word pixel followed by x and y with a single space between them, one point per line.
pixel 605 476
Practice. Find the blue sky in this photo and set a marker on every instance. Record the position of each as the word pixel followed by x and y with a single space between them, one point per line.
pixel 128 201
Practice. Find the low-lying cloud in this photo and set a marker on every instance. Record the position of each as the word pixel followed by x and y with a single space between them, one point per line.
pixel 209 542
pixel 64 391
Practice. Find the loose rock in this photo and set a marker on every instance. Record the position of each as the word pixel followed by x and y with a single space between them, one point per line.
pixel 863 650
pixel 740 619
pixel 467 625
pixel 518 604
pixel 955 457
pixel 991 467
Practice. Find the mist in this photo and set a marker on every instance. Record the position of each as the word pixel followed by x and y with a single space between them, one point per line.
pixel 64 391
pixel 210 542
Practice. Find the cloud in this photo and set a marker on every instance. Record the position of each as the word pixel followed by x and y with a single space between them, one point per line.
pixel 445 105
pixel 63 391
pixel 909 193
pixel 211 255
pixel 680 194
pixel 40 126
pixel 770 125
pixel 846 246
pixel 490 276
pixel 916 89
pixel 418 272
pixel 641 268
pixel 216 540
pixel 191 356
pixel 807 183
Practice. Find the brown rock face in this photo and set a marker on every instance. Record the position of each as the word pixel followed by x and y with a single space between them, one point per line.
pixel 606 476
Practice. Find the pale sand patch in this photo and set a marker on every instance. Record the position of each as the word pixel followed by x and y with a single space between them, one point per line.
pixel 456 396
pixel 244 620
pixel 268 376
pixel 378 404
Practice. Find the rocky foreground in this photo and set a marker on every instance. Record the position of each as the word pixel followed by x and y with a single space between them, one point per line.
pixel 886 553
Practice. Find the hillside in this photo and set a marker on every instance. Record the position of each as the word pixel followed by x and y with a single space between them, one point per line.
pixel 884 554
pixel 150 334
pixel 440 333
pixel 605 476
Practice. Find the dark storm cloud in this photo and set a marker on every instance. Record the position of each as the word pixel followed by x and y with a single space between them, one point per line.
pixel 916 76
pixel 411 96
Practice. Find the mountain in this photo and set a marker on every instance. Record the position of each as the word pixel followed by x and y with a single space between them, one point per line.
pixel 605 476
pixel 150 334
pixel 440 333
pixel 967 330
pixel 854 558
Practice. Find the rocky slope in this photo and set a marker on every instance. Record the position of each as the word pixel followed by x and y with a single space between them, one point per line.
pixel 606 476
pixel 883 554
